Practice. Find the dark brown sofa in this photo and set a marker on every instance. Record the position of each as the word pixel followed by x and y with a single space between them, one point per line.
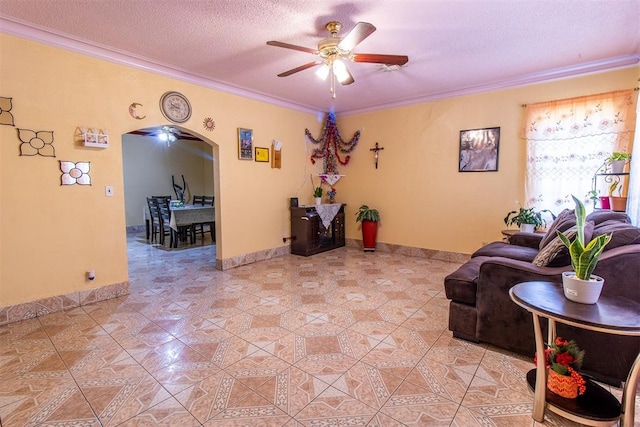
pixel 481 310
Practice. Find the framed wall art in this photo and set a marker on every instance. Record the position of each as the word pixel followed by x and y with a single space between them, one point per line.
pixel 479 150
pixel 245 144
pixel 262 154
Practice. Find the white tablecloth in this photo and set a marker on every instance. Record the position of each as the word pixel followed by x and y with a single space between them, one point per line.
pixel 191 214
pixel 327 212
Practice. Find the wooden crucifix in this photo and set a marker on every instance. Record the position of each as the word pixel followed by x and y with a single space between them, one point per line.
pixel 376 149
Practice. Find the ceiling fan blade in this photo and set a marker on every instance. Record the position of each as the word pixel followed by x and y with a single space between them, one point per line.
pixel 300 68
pixel 361 31
pixel 349 80
pixel 380 59
pixel 292 46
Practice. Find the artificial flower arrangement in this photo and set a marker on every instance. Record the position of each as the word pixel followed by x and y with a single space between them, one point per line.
pixel 563 359
pixel 331 193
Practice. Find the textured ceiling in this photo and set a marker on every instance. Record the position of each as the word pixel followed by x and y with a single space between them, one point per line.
pixel 454 47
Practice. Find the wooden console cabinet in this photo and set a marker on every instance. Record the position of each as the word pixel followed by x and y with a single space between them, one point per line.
pixel 308 234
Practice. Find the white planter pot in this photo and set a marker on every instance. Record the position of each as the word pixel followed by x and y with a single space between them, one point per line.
pixel 527 228
pixel 618 166
pixel 318 200
pixel 582 291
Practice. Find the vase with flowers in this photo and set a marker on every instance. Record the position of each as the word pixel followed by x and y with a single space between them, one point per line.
pixel 332 195
pixel 563 360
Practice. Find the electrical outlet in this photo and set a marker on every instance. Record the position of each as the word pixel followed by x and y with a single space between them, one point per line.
pixel 108 191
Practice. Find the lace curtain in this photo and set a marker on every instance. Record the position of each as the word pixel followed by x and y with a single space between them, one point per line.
pixel 633 204
pixel 568 140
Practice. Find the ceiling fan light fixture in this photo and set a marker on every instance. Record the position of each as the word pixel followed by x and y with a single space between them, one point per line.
pixel 323 71
pixel 340 71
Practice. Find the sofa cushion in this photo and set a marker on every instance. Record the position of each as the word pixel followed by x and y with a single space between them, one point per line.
pixel 460 286
pixel 521 253
pixel 603 215
pixel 564 221
pixel 553 249
pixel 621 233
pixel 556 254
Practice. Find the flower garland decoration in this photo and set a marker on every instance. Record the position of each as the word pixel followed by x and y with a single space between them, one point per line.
pixel 331 146
pixel 565 358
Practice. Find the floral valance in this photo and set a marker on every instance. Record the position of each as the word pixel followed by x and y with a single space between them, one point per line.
pixel 605 113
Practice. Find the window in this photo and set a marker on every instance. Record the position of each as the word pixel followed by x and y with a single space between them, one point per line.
pixel 568 140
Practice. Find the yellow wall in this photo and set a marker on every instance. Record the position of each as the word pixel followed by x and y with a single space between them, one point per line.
pixel 422 198
pixel 51 234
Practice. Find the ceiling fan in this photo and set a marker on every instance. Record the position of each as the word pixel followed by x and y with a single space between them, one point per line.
pixel 334 50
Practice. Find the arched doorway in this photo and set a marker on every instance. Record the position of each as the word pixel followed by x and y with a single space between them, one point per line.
pixel 155 158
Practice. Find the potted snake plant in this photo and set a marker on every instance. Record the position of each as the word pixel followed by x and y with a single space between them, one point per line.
pixel 580 285
pixel 369 218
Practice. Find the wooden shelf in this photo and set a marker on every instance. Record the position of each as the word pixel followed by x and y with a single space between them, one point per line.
pixel 596 404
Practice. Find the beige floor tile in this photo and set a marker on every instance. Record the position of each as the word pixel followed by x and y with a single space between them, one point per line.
pixel 340 338
pixel 168 413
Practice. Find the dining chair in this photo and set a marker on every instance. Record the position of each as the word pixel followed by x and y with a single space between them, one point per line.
pixel 200 227
pixel 154 220
pixel 165 218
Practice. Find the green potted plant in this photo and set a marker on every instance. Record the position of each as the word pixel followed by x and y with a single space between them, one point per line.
pixel 317 191
pixel 580 285
pixel 369 218
pixel 616 161
pixel 528 219
pixel 616 203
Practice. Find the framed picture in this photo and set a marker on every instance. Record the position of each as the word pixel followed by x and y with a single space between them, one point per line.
pixel 479 150
pixel 245 144
pixel 262 154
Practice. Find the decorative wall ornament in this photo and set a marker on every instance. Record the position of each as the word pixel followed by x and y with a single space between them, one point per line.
pixel 36 143
pixel 133 111
pixel 6 118
pixel 95 137
pixel 209 124
pixel 75 173
pixel 332 145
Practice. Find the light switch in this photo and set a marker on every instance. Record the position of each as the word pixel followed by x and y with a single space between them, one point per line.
pixel 108 191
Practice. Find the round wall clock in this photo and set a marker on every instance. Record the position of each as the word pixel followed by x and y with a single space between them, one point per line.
pixel 175 107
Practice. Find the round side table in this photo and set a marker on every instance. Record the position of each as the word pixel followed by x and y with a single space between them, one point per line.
pixel 612 315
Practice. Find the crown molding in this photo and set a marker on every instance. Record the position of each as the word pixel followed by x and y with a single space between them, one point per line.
pixel 33 33
pixel 100 52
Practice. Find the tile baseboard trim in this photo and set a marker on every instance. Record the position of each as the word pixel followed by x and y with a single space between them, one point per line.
pixel 456 257
pixel 240 260
pixel 44 306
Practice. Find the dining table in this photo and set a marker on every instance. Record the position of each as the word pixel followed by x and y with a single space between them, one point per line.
pixel 185 215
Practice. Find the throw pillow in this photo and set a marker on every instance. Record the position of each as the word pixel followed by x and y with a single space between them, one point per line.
pixel 565 220
pixel 562 258
pixel 621 233
pixel 553 249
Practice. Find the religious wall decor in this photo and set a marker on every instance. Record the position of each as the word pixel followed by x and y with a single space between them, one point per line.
pixel 331 146
pixel 75 173
pixel 376 149
pixel 38 143
pixel 479 150
pixel 6 118
pixel 245 144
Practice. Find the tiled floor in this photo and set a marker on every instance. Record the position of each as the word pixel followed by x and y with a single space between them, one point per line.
pixel 342 338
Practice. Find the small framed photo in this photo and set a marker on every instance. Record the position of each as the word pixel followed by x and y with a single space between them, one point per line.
pixel 245 144
pixel 479 150
pixel 262 154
